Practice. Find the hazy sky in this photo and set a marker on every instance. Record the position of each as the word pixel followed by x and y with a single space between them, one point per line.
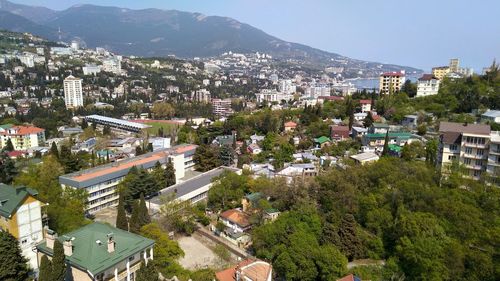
pixel 422 33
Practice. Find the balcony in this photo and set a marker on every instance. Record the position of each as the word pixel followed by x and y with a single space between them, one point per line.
pixel 123 275
pixel 474 156
pixel 475 145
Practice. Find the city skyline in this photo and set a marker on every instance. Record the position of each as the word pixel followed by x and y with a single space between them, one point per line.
pixel 425 37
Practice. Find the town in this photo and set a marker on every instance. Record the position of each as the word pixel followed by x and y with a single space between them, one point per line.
pixel 243 166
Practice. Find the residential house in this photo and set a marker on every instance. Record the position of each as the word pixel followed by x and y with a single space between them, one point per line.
pixel 236 220
pixel 410 121
pixel 427 85
pixel 297 171
pixel 366 105
pixel 378 140
pixel 21 216
pixel 339 133
pixel 492 116
pixel 251 201
pixel 365 157
pixel 358 131
pixel 99 251
pixel 390 82
pixel 254 149
pixel 290 126
pixel 322 141
pixel 247 270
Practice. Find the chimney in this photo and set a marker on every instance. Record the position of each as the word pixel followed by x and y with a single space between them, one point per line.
pixel 68 246
pixel 50 238
pixel 111 243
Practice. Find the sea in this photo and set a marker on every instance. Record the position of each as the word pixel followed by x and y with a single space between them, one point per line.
pixel 373 83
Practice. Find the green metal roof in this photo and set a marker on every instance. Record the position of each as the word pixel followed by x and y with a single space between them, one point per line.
pixel 6 126
pixel 254 197
pixel 380 125
pixel 93 257
pixel 11 197
pixel 322 139
pixel 401 135
pixel 394 147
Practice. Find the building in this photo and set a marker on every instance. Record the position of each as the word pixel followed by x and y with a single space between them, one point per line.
pixel 366 105
pixel 21 137
pixel 427 85
pixel 272 96
pixel 440 72
pixel 222 107
pixel 99 251
pixel 247 270
pixel 91 69
pixel 350 277
pixel 390 82
pixel 466 144
pixel 134 127
pixel 73 94
pixel 101 182
pixel 365 157
pixel 202 96
pixel 21 216
pixel 113 65
pixel 378 140
pixel 493 167
pixel 339 133
pixel 378 128
pixel 236 220
pixel 299 171
pixel 290 126
pixel 454 65
pixel 492 116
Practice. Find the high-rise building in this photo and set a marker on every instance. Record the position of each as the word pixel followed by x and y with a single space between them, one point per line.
pixel 202 95
pixel 454 65
pixel 222 107
pixel 391 82
pixel 73 94
pixel 472 146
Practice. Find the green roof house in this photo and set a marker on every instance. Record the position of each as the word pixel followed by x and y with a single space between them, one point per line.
pixel 322 141
pixel 100 252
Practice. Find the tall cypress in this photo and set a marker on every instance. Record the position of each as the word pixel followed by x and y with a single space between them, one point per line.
pixel 169 174
pixel 385 152
pixel 350 243
pixel 121 216
pixel 45 269
pixel 12 264
pixel 9 146
pixel 54 150
pixel 135 223
pixel 144 217
pixel 58 262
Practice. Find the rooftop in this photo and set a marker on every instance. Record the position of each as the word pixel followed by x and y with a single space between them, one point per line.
pixel 254 270
pixel 393 74
pixel 365 156
pixel 464 128
pixel 92 256
pixel 236 216
pixel 117 121
pixel 22 130
pixel 11 197
pixel 427 77
pixel 492 113
pixel 291 124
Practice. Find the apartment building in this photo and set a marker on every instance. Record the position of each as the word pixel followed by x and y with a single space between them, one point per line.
pixel 73 94
pixel 222 107
pixel 440 72
pixel 21 216
pixel 101 182
pixel 99 251
pixel 391 82
pixel 427 85
pixel 270 96
pixel 467 144
pixel 493 167
pixel 22 137
pixel 202 96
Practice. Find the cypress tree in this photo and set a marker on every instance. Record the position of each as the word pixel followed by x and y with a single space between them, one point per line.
pixel 121 216
pixel 169 174
pixel 45 269
pixel 54 150
pixel 12 264
pixel 350 244
pixel 385 152
pixel 135 224
pixel 144 217
pixel 9 146
pixel 84 124
pixel 58 262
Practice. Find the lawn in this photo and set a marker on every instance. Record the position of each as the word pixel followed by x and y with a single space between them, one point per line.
pixel 168 128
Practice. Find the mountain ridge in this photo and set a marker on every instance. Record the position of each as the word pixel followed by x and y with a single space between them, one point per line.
pixel 157 32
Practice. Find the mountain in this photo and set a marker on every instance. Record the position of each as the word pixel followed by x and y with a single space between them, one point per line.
pixel 34 13
pixel 155 32
pixel 12 22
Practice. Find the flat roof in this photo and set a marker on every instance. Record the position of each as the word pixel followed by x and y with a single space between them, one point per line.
pixel 464 128
pixel 118 121
pixel 365 156
pixel 89 177
pixel 492 113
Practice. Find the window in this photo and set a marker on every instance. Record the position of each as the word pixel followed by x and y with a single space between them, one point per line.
pixel 479 162
pixel 131 258
pixel 467 161
pixel 480 152
pixel 468 150
pixel 453 147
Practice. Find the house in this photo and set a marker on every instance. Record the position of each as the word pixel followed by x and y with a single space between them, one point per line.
pixel 254 148
pixel 360 116
pixel 366 105
pixel 492 116
pixel 236 220
pixel 290 126
pixel 378 128
pixel 98 251
pixel 378 140
pixel 350 277
pixel 365 157
pixel 251 201
pixel 322 141
pixel 256 138
pixel 21 216
pixel 410 121
pixel 271 214
pixel 339 133
pixel 298 171
pixel 427 85
pixel 358 131
pixel 247 270
pixel 391 82
pixel 225 140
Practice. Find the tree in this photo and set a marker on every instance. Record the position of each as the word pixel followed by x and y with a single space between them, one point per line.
pixel 138 150
pixel 368 121
pixel 169 174
pixel 385 151
pixel 149 148
pixel 158 175
pixel 135 219
pixel 13 265
pixel 58 262
pixel 106 130
pixel 147 272
pixel 431 149
pixel 206 158
pixel 121 216
pixel 163 110
pixel 84 124
pixel 45 269
pixel 9 146
pixel 350 244
pixel 143 211
pixel 8 168
pixel 166 251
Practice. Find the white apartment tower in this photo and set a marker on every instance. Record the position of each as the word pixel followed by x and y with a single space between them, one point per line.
pixel 73 94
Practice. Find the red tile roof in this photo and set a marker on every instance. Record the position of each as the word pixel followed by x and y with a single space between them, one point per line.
pixel 23 130
pixel 393 74
pixel 365 101
pixel 427 77
pixel 254 270
pixel 236 216
pixel 291 124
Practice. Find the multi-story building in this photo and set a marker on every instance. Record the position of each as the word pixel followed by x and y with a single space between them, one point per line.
pixel 222 107
pixel 73 94
pixel 99 251
pixel 101 182
pixel 91 69
pixel 454 65
pixel 113 65
pixel 21 216
pixel 493 167
pixel 21 137
pixel 270 96
pixel 202 95
pixel 366 105
pixel 391 82
pixel 440 71
pixel 465 144
pixel 427 85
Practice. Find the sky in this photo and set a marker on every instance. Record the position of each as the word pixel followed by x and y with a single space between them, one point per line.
pixel 421 34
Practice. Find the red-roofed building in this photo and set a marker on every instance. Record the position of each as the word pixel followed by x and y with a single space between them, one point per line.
pixel 339 133
pixel 290 126
pixel 350 277
pixel 366 105
pixel 247 270
pixel 391 82
pixel 22 137
pixel 235 219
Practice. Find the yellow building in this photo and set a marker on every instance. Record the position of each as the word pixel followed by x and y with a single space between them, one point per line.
pixel 391 82
pixel 21 216
pixel 440 72
pixel 22 137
